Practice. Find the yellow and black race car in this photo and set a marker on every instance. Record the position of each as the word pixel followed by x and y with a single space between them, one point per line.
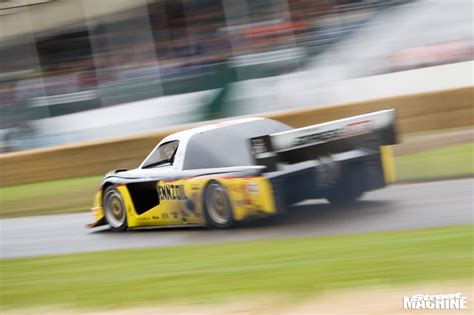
pixel 227 172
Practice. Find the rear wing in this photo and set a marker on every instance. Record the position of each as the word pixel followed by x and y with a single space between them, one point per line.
pixel 368 131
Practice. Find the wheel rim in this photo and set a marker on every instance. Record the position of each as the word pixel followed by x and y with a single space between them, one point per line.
pixel 217 204
pixel 114 209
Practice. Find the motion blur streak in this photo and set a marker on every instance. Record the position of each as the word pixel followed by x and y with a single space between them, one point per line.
pixel 395 208
pixel 92 85
pixel 68 65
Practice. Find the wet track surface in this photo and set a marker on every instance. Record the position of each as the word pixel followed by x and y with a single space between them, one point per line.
pixel 394 208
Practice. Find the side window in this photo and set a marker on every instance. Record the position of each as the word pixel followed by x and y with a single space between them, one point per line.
pixel 163 155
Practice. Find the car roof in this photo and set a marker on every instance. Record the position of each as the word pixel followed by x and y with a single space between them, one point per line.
pixel 206 146
pixel 188 133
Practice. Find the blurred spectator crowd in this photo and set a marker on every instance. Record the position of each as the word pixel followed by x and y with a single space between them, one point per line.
pixel 172 42
pixel 169 47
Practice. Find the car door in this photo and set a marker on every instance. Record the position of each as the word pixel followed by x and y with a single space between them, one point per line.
pixel 159 188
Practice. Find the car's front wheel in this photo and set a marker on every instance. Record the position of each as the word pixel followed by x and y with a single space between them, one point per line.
pixel 114 209
pixel 217 206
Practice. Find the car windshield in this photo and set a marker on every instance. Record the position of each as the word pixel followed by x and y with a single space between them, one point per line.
pixel 164 154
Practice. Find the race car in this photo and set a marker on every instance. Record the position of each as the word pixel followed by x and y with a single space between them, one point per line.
pixel 236 170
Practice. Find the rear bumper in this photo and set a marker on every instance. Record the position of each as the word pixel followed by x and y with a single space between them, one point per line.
pixel 293 184
pixel 312 179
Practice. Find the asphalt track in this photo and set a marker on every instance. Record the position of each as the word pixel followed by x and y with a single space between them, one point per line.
pixel 394 208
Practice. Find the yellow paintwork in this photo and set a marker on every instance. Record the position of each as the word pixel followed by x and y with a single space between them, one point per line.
pixel 386 155
pixel 249 197
pixel 97 210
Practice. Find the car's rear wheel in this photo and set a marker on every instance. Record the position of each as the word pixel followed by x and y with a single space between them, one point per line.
pixel 217 206
pixel 349 189
pixel 114 209
pixel 343 195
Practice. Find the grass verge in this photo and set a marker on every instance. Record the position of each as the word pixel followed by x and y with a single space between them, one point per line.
pixel 73 195
pixel 448 162
pixel 52 197
pixel 297 268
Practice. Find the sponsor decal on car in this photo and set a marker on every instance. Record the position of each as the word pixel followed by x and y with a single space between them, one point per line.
pixel 318 137
pixel 351 129
pixel 171 192
pixel 358 128
pixel 252 187
pixel 258 146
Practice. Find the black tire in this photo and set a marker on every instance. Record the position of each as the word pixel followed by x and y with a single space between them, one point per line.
pixel 343 196
pixel 349 189
pixel 114 209
pixel 217 207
